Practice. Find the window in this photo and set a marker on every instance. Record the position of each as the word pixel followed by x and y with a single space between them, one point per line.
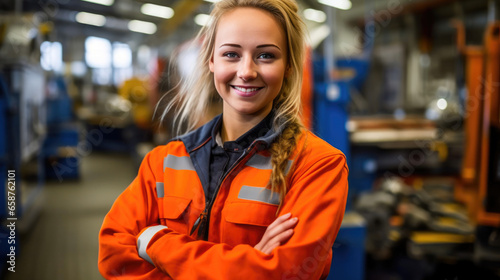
pixel 51 56
pixel 98 52
pixel 110 63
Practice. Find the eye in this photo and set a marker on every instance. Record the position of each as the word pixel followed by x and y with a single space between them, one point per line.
pixel 230 55
pixel 266 56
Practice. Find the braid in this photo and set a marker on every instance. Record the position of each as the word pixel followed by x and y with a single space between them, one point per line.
pixel 280 151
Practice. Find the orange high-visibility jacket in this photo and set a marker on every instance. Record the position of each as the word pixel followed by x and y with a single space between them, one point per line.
pixel 146 234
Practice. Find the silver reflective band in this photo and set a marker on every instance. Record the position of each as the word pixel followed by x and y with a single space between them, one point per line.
pixel 260 162
pixel 160 191
pixel 177 163
pixel 264 163
pixel 143 241
pixel 259 194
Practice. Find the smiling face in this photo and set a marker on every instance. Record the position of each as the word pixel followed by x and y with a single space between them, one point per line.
pixel 248 62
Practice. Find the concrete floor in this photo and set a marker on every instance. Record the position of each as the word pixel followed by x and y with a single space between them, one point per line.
pixel 63 242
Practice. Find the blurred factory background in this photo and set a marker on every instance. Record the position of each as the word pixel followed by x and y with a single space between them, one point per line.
pixel 407 89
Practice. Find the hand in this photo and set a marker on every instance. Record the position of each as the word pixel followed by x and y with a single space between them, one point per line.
pixel 277 233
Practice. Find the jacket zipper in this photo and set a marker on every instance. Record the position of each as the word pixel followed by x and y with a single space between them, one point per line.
pixel 208 208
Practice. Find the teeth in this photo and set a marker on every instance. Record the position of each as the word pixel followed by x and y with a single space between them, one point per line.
pixel 246 89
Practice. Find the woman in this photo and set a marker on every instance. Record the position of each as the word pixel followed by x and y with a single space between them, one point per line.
pixel 249 195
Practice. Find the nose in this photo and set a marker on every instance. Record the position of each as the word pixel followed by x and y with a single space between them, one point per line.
pixel 247 69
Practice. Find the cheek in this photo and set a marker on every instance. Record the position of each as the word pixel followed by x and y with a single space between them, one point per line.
pixel 221 74
pixel 274 76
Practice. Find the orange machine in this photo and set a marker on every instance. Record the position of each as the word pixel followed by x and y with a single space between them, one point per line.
pixel 482 124
pixel 489 178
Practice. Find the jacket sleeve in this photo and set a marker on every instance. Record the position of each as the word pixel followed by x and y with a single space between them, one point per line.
pixel 317 196
pixel 134 210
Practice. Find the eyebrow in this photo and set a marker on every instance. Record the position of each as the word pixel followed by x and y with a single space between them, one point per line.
pixel 259 46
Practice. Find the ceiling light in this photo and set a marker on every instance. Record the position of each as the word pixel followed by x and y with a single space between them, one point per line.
pixel 202 19
pixel 142 26
pixel 212 1
pixel 339 4
pixel 442 104
pixel 157 11
pixel 101 2
pixel 314 15
pixel 91 19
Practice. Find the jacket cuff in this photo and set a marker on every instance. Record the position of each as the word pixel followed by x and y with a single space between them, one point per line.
pixel 144 239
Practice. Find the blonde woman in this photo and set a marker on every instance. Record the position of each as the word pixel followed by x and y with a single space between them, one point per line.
pixel 249 195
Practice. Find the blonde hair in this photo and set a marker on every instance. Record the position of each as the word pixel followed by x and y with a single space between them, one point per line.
pixel 195 93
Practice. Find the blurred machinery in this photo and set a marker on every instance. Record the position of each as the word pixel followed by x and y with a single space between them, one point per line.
pixel 334 80
pixel 446 208
pixel 60 150
pixel 424 176
pixel 480 176
pixel 22 123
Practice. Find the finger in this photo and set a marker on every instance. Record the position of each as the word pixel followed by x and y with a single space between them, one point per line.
pixel 271 230
pixel 268 249
pixel 259 246
pixel 279 229
pixel 280 219
pixel 282 237
pixel 284 226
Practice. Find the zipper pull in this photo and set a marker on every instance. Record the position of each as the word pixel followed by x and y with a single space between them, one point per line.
pixel 197 222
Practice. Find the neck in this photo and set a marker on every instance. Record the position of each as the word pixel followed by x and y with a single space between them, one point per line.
pixel 233 126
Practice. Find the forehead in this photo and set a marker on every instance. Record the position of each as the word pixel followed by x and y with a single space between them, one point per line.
pixel 249 24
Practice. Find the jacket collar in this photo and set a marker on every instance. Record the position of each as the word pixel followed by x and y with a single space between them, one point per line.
pixel 201 136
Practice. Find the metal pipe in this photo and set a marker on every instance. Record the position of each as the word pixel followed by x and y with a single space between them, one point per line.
pixel 328 44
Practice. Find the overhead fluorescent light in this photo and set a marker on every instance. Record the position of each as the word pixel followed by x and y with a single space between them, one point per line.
pixel 339 4
pixel 202 19
pixel 318 34
pixel 157 10
pixel 314 15
pixel 212 1
pixel 142 26
pixel 101 2
pixel 90 19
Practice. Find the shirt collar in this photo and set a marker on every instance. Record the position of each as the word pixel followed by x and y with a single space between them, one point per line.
pixel 244 141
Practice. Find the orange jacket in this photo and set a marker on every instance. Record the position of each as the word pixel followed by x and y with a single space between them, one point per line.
pixel 155 214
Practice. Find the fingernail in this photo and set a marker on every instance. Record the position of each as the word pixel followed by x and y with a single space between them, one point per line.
pixel 295 219
pixel 288 215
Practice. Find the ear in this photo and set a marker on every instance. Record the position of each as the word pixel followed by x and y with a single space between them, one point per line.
pixel 211 63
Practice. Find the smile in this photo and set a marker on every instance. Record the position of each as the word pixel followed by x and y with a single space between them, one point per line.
pixel 246 89
pixel 246 92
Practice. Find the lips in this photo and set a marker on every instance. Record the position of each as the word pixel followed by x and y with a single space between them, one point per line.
pixel 246 91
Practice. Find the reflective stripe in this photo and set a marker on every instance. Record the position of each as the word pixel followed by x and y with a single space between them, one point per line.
pixel 160 192
pixel 260 162
pixel 143 241
pixel 288 166
pixel 264 163
pixel 259 194
pixel 178 163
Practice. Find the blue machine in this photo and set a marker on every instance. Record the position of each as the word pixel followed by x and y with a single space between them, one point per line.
pixel 331 100
pixel 349 249
pixel 61 133
pixel 330 114
pixel 22 131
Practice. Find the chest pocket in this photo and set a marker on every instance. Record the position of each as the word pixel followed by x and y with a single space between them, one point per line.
pixel 246 222
pixel 176 213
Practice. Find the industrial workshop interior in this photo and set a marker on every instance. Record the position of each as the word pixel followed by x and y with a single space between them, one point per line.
pixel 408 90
